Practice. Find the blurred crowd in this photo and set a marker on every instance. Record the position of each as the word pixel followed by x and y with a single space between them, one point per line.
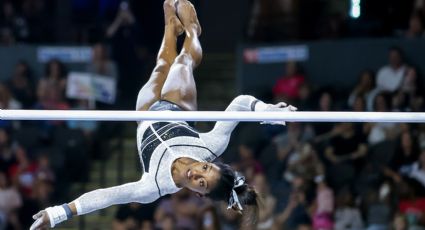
pixel 278 20
pixel 310 176
pixel 88 21
pixel 33 154
pixel 320 175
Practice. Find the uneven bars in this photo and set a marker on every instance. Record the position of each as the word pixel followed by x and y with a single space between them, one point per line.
pixel 96 115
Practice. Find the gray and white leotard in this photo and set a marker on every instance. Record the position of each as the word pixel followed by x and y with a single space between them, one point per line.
pixel 159 145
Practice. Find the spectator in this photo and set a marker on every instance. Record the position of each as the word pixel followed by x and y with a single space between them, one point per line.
pixel 101 63
pixel 23 172
pixel 168 223
pixel 265 219
pixel 135 214
pixel 295 215
pixel 42 192
pixel 44 171
pixel 359 104
pixel 411 206
pixel 6 37
pixel 390 77
pixel 88 127
pixel 49 97
pixel 229 219
pixel 248 164
pixel 416 27
pixel 126 45
pixel 378 132
pixel 8 102
pixel 124 18
pixel 10 201
pixel 407 153
pixel 56 73
pixel 347 215
pixel 304 163
pixel 400 222
pixel 416 171
pixel 16 25
pixel 325 104
pixel 208 219
pixel 378 210
pixel 21 85
pixel 324 206
pixel 305 102
pixel 364 88
pixel 345 153
pixel 6 99
pixel 183 206
pixel 7 156
pixel 282 147
pixel 287 88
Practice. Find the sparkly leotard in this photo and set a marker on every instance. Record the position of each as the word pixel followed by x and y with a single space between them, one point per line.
pixel 159 145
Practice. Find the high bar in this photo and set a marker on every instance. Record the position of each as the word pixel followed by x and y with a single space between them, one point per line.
pixel 122 115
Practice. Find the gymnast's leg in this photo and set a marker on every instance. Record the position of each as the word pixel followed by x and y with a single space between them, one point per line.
pixel 180 87
pixel 151 91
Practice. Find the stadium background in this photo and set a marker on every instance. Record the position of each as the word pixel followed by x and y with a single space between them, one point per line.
pixel 325 55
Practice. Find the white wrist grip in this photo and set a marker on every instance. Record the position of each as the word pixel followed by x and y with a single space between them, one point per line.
pixel 57 214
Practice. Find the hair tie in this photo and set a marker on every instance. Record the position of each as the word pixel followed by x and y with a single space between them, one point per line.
pixel 234 199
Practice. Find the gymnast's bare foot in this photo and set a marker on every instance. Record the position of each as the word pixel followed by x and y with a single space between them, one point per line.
pixel 187 14
pixel 171 18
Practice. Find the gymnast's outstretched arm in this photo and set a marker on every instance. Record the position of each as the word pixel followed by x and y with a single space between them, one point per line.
pixel 141 191
pixel 218 138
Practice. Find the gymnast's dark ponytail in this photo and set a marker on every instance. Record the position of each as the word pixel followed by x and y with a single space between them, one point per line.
pixel 247 198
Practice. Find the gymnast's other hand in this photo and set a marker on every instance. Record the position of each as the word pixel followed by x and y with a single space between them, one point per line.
pixel 42 221
pixel 279 107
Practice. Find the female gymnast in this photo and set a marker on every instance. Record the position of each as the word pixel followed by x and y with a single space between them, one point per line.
pixel 173 154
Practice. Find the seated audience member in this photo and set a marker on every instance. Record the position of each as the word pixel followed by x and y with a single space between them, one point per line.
pixel 266 211
pixel 21 85
pixel 101 63
pixel 347 215
pixel 346 153
pixel 406 154
pixel 183 206
pixel 229 220
pixel 295 215
pixel 348 146
pixel 411 206
pixel 378 132
pixel 416 171
pixel 305 101
pixel 49 97
pixel 390 77
pixel 325 104
pixel 416 27
pixel 88 127
pixel 364 88
pixel 304 163
pixel 400 222
pixel 323 206
pixel 378 209
pixel 134 216
pixel 6 99
pixel 56 73
pixel 23 172
pixel 7 155
pixel 8 102
pixel 287 88
pixel 208 219
pixel 248 164
pixel 10 201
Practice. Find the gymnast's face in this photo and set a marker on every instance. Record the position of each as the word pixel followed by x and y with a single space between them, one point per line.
pixel 201 177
